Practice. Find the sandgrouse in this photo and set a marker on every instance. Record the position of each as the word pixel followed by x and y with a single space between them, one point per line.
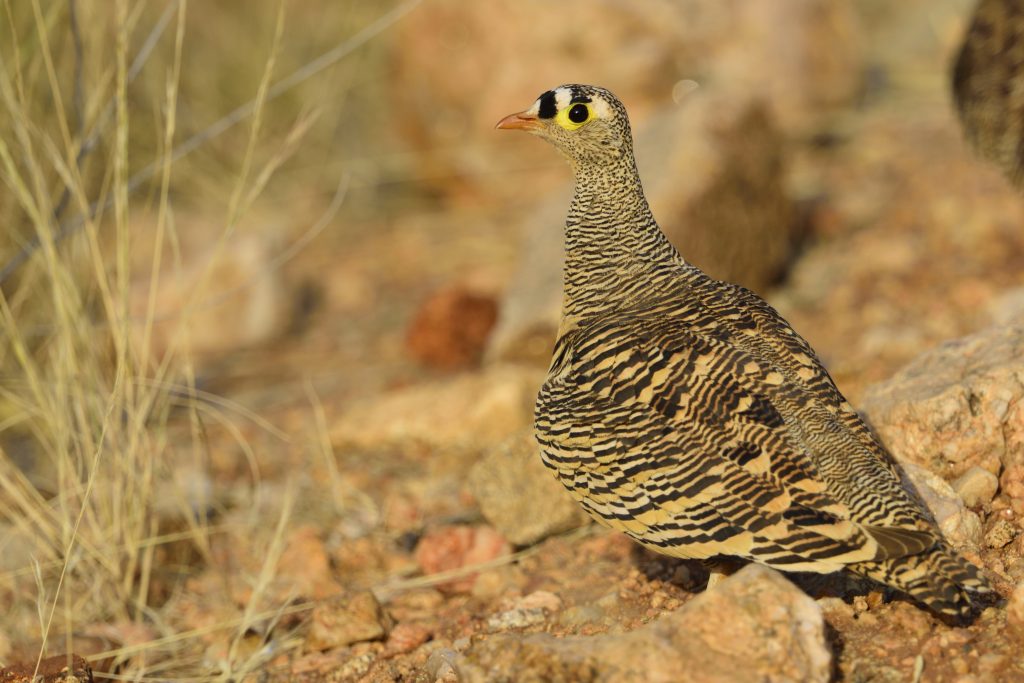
pixel 687 413
pixel 988 85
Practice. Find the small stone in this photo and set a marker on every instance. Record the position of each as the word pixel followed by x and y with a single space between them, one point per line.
pixel 544 600
pixel 451 328
pixel 1015 611
pixel 453 547
pixel 306 565
pixel 960 526
pixel 515 619
pixel 1001 534
pixel 835 607
pixel 467 410
pixel 443 666
pixel 977 486
pixel 519 495
pixel 406 637
pixel 350 619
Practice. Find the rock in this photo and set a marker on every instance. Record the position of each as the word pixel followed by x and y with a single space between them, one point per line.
pixel 243 301
pixel 1015 611
pixel 454 547
pixel 468 410
pixel 60 668
pixel 350 619
pixel 305 565
pixel 976 486
pixel 1001 534
pixel 450 329
pixel 712 169
pixel 960 526
pixel 519 496
pixel 513 619
pixel 406 637
pixel 959 406
pixel 755 625
pixel 529 610
pixel 544 600
pixel 443 666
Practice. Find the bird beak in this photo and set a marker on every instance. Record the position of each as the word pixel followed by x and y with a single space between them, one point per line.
pixel 520 121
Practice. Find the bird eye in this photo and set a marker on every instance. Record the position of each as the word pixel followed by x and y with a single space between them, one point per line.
pixel 579 113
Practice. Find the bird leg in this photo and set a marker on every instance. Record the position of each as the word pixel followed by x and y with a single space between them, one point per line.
pixel 719 569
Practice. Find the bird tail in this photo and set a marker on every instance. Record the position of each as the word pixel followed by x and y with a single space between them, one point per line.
pixel 939 578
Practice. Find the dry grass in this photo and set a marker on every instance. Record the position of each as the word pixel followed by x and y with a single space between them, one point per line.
pixel 92 102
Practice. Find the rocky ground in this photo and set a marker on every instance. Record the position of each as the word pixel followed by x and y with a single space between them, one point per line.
pixel 388 471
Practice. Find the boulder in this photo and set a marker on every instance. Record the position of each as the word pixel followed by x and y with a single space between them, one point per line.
pixel 519 495
pixel 754 626
pixel 467 410
pixel 959 406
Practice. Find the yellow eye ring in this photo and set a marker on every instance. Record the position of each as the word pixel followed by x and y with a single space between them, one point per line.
pixel 574 116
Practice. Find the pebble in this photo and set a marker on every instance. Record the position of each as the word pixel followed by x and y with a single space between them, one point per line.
pixel 1001 534
pixel 515 619
pixel 350 619
pixel 977 486
pixel 453 547
pixel 442 665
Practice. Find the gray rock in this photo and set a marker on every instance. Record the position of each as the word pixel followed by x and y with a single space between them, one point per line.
pixel 976 486
pixel 519 496
pixel 960 526
pixel 755 626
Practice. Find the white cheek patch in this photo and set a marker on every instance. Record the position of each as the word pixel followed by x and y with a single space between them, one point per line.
pixel 600 108
pixel 562 98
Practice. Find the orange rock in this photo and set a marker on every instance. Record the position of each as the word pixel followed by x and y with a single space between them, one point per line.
pixel 305 564
pixel 406 637
pixel 345 620
pixel 450 329
pixel 454 547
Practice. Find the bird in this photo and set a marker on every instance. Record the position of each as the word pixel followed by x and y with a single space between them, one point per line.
pixel 988 85
pixel 688 413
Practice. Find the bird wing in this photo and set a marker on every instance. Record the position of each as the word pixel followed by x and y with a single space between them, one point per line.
pixel 679 439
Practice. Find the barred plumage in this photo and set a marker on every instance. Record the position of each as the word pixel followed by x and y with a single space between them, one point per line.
pixel 687 413
pixel 988 85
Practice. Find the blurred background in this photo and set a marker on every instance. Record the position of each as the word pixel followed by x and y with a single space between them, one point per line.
pixel 272 283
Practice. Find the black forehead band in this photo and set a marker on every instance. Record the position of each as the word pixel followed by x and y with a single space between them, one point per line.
pixel 548 109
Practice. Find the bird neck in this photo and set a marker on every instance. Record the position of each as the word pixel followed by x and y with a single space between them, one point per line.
pixel 612 242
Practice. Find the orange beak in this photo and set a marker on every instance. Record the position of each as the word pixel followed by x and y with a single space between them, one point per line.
pixel 520 121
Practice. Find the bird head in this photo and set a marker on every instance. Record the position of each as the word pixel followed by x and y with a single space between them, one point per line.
pixel 586 123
